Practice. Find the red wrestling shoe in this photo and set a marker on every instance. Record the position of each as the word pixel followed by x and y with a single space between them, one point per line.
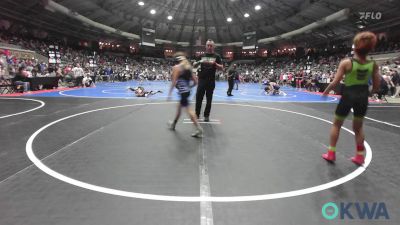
pixel 330 156
pixel 358 159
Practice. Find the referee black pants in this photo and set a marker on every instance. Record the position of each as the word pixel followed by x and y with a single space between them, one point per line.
pixel 230 86
pixel 207 88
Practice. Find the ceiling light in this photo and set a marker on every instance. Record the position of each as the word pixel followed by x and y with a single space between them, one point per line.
pixel 229 19
pixel 153 11
pixel 257 7
pixel 246 15
pixel 141 3
pixel 169 17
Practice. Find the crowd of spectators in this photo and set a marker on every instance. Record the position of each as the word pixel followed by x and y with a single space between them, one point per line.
pixel 385 45
pixel 36 45
pixel 77 65
pixel 287 70
pixel 84 68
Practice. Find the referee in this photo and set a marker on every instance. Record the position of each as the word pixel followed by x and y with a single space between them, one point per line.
pixel 232 73
pixel 209 63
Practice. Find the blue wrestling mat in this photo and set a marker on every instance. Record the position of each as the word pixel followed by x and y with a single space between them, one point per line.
pixel 247 92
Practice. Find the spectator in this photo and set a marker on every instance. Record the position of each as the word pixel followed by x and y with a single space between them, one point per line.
pixel 77 74
pixel 21 79
pixel 396 83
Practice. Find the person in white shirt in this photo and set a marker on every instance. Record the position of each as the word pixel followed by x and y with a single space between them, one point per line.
pixel 77 74
pixel 77 71
pixel 285 77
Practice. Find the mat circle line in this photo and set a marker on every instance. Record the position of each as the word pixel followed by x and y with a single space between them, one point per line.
pixel 287 194
pixel 26 111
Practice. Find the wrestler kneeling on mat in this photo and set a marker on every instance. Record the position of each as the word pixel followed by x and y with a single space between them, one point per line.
pixel 272 88
pixel 357 71
pixel 182 76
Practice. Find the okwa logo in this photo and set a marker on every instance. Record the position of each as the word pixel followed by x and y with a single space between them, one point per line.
pixel 355 210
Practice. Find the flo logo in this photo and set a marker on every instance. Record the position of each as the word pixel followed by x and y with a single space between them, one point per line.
pixel 355 210
pixel 370 15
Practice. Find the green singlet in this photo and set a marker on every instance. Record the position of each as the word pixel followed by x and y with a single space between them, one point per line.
pixel 360 74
